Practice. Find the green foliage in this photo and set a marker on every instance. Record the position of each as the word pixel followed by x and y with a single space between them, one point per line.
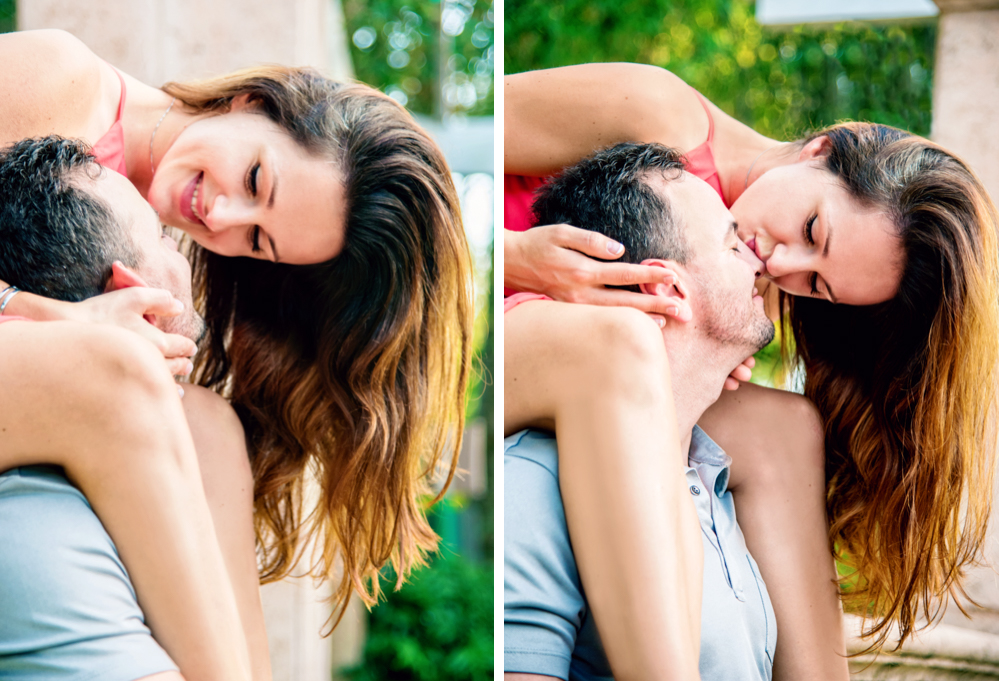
pixel 438 626
pixel 8 16
pixel 782 83
pixel 396 45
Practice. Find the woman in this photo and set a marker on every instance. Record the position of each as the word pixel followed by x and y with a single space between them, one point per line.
pixel 341 339
pixel 895 229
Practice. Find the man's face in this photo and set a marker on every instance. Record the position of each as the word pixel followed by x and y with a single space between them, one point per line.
pixel 723 268
pixel 161 266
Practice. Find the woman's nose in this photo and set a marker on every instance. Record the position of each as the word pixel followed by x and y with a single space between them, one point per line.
pixel 786 260
pixel 227 213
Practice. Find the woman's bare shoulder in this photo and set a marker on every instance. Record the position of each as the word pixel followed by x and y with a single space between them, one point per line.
pixel 555 117
pixel 51 83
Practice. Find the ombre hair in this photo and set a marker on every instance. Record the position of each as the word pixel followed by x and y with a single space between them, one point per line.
pixel 907 388
pixel 352 371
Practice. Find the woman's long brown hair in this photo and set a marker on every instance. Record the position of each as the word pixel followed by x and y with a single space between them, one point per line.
pixel 907 388
pixel 353 370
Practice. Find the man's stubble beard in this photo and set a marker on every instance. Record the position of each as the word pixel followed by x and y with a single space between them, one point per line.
pixel 189 324
pixel 733 323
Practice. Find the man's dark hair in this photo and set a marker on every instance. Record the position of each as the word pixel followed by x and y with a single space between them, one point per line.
pixel 56 239
pixel 609 193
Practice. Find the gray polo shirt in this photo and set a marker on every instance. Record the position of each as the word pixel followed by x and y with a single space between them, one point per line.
pixel 68 611
pixel 548 628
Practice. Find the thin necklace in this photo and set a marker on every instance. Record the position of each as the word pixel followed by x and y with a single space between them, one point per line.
pixel 152 171
pixel 753 164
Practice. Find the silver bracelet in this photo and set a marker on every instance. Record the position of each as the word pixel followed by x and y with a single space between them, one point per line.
pixel 6 295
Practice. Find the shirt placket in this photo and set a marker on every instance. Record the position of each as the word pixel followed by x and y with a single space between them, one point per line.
pixel 701 482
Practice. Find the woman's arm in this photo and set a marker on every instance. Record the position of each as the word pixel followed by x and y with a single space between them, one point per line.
pixel 556 117
pixel 599 377
pixel 99 402
pixel 125 308
pixel 51 83
pixel 225 468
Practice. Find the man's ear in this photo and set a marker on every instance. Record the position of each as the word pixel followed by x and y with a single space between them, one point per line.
pixel 816 148
pixel 123 277
pixel 674 297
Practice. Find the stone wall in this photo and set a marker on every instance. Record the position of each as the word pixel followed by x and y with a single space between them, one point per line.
pixel 160 40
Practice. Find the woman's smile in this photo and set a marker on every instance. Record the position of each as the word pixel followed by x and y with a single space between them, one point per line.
pixel 188 203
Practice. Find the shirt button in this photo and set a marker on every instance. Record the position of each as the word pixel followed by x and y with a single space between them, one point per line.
pixel 695 490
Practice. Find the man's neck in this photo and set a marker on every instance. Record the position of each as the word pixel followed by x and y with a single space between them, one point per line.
pixel 698 368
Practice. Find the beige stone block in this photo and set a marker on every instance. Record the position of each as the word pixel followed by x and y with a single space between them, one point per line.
pixel 965 5
pixel 161 40
pixel 966 91
pixel 296 612
pixel 941 653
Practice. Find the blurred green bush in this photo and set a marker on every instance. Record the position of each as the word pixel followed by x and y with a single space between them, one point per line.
pixel 434 56
pixel 8 12
pixel 782 83
pixel 438 626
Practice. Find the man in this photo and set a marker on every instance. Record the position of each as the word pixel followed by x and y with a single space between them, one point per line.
pixel 70 230
pixel 639 196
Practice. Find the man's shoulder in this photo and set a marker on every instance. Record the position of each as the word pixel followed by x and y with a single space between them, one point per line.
pixel 535 446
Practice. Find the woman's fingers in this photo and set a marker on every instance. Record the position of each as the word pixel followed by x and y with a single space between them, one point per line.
pixel 658 319
pixel 640 301
pixel 170 345
pixel 585 241
pixel 741 374
pixel 153 301
pixel 178 347
pixel 624 274
pixel 179 367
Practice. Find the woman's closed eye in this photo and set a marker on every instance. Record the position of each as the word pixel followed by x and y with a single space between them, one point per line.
pixel 255 239
pixel 809 237
pixel 251 179
pixel 813 281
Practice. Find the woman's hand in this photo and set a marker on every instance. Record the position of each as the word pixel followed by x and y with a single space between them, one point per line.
pixel 565 263
pixel 741 374
pixel 129 309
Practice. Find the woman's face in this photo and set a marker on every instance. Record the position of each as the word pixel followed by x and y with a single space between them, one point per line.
pixel 815 239
pixel 240 186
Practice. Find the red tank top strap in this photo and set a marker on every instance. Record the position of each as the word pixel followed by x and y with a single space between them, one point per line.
pixel 110 149
pixel 701 159
pixel 707 110
pixel 121 102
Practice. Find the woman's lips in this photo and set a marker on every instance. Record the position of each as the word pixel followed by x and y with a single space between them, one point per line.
pixel 185 200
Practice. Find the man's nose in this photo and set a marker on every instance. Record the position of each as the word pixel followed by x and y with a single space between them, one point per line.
pixel 750 257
